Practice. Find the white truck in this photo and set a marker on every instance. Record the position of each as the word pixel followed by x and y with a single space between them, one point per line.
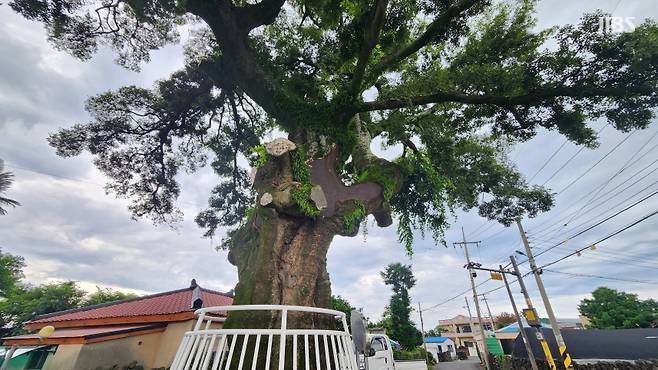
pixel 380 356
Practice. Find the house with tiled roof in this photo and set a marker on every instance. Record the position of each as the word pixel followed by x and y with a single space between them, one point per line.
pixel 465 331
pixel 145 330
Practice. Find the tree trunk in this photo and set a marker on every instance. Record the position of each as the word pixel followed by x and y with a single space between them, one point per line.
pixel 281 259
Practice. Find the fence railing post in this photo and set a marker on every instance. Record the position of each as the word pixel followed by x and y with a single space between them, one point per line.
pixel 282 341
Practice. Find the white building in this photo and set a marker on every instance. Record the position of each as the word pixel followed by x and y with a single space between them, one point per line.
pixel 436 345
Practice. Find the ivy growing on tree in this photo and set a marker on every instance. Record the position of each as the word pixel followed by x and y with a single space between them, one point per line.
pixel 453 83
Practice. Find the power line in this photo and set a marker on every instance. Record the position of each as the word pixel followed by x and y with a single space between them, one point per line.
pixel 601 240
pixel 549 159
pixel 596 163
pixel 571 158
pixel 621 170
pixel 605 201
pixel 601 277
pixel 600 222
pixel 601 213
pixel 455 297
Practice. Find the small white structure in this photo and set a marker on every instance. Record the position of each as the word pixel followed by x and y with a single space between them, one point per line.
pixel 436 345
pixel 322 349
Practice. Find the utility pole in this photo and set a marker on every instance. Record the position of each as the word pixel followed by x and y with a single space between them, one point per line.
pixel 501 274
pixel 564 355
pixel 532 311
pixel 475 299
pixel 491 320
pixel 422 330
pixel 524 335
pixel 470 322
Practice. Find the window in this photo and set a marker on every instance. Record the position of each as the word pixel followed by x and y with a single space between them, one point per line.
pixel 378 344
pixel 468 344
pixel 466 329
pixel 37 359
pixel 449 347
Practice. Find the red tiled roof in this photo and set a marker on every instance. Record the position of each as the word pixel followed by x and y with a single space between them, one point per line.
pixel 166 303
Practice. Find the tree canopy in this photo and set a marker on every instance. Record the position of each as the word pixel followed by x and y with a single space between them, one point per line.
pixel 503 319
pixel 612 309
pixel 20 301
pixel 396 318
pixel 452 83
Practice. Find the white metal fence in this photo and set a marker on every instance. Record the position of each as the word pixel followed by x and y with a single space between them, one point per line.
pixel 205 348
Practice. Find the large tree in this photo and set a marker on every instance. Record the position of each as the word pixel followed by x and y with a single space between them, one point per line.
pixel 11 272
pixel 612 309
pixel 451 83
pixel 20 301
pixel 397 316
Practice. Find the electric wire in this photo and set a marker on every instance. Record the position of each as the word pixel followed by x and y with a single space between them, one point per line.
pixel 601 277
pixel 646 217
pixel 600 222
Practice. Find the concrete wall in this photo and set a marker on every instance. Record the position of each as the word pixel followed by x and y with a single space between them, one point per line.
pixel 153 350
pixel 64 358
pixel 169 341
pixel 124 351
pixel 434 348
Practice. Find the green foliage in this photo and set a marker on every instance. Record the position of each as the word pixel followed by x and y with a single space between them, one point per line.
pixel 383 175
pixel 353 217
pixel 11 272
pixel 399 325
pixel 27 302
pixel 249 212
pixel 436 332
pixel 503 319
pixel 300 171
pixel 456 82
pixel 300 194
pixel 260 156
pixel 612 309
pixel 341 304
pixel 6 179
pixel 22 302
pixel 417 353
pixel 106 295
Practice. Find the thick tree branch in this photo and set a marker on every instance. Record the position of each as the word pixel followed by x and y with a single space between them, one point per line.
pixel 504 101
pixel 370 39
pixel 263 13
pixel 239 66
pixel 439 27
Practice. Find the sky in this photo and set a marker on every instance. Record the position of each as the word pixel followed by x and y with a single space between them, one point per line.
pixel 68 228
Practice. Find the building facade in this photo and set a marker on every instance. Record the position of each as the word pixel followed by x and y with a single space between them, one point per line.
pixel 464 331
pixel 145 331
pixel 437 345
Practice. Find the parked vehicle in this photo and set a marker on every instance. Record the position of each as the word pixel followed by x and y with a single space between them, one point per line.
pixel 380 356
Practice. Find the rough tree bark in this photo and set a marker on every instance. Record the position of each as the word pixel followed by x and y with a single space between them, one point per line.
pixel 281 251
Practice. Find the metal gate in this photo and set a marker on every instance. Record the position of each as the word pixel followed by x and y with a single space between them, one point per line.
pixel 205 348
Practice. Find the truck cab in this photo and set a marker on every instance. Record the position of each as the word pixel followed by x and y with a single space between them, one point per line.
pixel 380 356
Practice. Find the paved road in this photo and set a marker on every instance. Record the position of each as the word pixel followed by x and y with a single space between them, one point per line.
pixel 471 364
